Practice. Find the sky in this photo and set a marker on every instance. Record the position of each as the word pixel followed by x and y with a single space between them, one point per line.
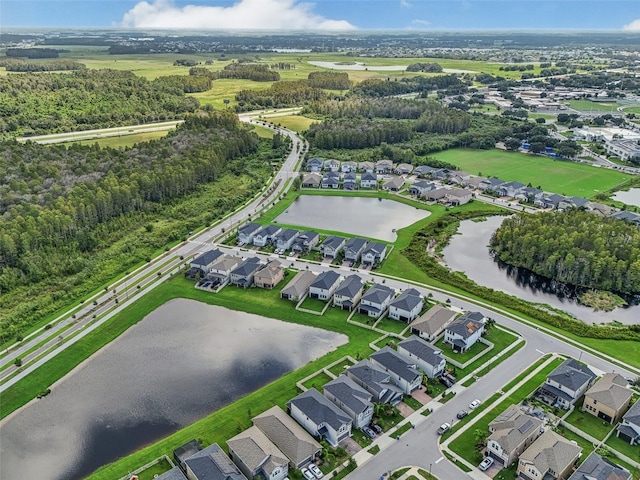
pixel 334 15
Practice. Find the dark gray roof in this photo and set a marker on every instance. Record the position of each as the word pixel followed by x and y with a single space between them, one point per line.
pixel 422 184
pixel 207 257
pixel 369 176
pixel 572 374
pixel 212 463
pixel 247 267
pixel 627 216
pixel 465 327
pixel 249 228
pixel 187 450
pixel 553 198
pixel 576 201
pixel 349 393
pixel 422 349
pixel 356 244
pixel 270 230
pixel 287 234
pixel 475 316
pixel 309 235
pixel 423 169
pixel 335 175
pixel 326 280
pixel 531 190
pixel 330 181
pixel 350 287
pixel 315 161
pixel 174 474
pixel 350 176
pixel 633 414
pixel 513 185
pixel 376 379
pixel 378 293
pixel 407 300
pixel 333 241
pixel 375 247
pixel 391 360
pixel 320 409
pixel 493 182
pixel 597 468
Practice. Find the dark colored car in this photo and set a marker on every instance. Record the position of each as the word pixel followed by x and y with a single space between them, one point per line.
pixel 461 414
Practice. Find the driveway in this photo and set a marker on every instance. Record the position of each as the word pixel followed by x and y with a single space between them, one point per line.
pixel 351 446
pixel 405 410
pixel 421 396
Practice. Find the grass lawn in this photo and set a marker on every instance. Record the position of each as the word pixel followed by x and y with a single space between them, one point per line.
pixel 587 106
pixel 375 449
pixel 588 423
pixel 124 140
pixel 318 381
pixel 155 470
pixel 384 342
pixel 393 326
pixel 360 438
pixel 263 131
pixel 464 357
pixel 297 123
pixel 563 177
pixel 631 451
pixel 500 340
pixel 340 367
pixel 412 402
pixel 387 420
pixel 313 304
pixel 435 388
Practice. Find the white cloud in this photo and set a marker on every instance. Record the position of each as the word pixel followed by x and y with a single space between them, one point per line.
pixel 405 4
pixel 633 26
pixel 420 23
pixel 243 15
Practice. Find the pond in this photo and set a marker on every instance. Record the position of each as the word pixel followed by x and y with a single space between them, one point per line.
pixel 630 197
pixel 360 66
pixel 468 252
pixel 183 361
pixel 365 216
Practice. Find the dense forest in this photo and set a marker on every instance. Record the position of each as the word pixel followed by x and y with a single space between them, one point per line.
pixel 258 72
pixel 33 52
pixel 330 80
pixel 574 247
pixel 375 87
pixel 48 103
pixel 58 64
pixel 281 94
pixel 66 211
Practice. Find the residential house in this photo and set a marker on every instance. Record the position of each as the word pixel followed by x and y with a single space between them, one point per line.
pixel 174 474
pixel 348 293
pixel 566 384
pixel 375 381
pixel 185 451
pixel 510 189
pixel 549 457
pixel 491 185
pixel 320 417
pixel 286 434
pixel 596 467
pixel 221 269
pixel 366 167
pixel 625 215
pixel 201 265
pixel 548 200
pixel 511 433
pixel 247 231
pixel 332 165
pixel 330 181
pixel 368 180
pixel 353 249
pixel 298 286
pixel 266 235
pixel 403 169
pixel 270 275
pixel 572 202
pixel 349 167
pixel 420 188
pixel 311 180
pixel 433 322
pixel 324 285
pixel 608 398
pixel 285 238
pixel 332 246
pixel 474 182
pixel 305 242
pixel 376 300
pixel 463 333
pixel 529 194
pixel 458 196
pixel 374 253
pixel 403 373
pixel 459 177
pixel 314 164
pixel 394 184
pixel 349 181
pixel 256 456
pixel 436 195
pixel 211 463
pixel 384 167
pixel 423 171
pixel 243 274
pixel 442 174
pixel 599 208
pixel 629 429
pixel 352 399
pixel 428 358
pixel 407 306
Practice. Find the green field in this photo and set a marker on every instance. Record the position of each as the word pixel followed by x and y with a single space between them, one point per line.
pixel 587 106
pixel 563 177
pixel 297 123
pixel 124 140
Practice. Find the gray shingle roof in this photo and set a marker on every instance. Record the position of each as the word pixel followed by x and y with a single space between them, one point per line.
pixel 333 241
pixel 512 427
pixel 249 228
pixel 212 463
pixel 597 468
pixel 611 390
pixel 350 287
pixel 247 267
pixel 422 350
pixel 373 377
pixel 174 474
pixel 407 300
pixel 633 414
pixel 551 452
pixel 349 393
pixel 375 248
pixel 270 230
pixel 390 360
pixel 299 284
pixel 378 294
pixel 433 320
pixel 464 327
pixel 356 244
pixel 369 176
pixel 475 316
pixel 572 374
pixel 207 257
pixel 326 280
pixel 320 409
pixel 287 234
pixel 256 451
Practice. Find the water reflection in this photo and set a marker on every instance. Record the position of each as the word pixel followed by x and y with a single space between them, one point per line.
pixel 182 362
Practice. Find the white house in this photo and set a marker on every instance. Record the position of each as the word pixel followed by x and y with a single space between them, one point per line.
pixel 368 180
pixel 566 384
pixel 428 358
pixel 407 306
pixel 375 300
pixel 348 293
pixel 352 399
pixel 332 246
pixel 404 373
pixel 463 332
pixel 247 231
pixel 374 253
pixel 353 248
pixel 266 235
pixel 285 238
pixel 324 285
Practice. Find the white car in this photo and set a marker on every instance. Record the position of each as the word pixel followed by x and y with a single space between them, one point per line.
pixel 316 471
pixel 307 474
pixel 443 428
pixel 486 463
pixel 473 405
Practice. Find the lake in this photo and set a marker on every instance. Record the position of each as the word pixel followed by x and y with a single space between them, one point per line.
pixel 183 361
pixel 630 197
pixel 365 216
pixel 469 252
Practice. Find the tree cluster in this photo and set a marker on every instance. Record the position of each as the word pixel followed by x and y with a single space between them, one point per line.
pixel 185 62
pixel 258 72
pixel 21 65
pixel 368 107
pixel 374 87
pixel 184 83
pixel 574 247
pixel 32 52
pixel 330 80
pixel 280 94
pixel 425 67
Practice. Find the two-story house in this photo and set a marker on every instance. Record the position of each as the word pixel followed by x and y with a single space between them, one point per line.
pixel 353 249
pixel 266 235
pixel 458 196
pixel 222 268
pixel 243 274
pixel 368 180
pixel 407 306
pixel 428 358
pixel 384 167
pixel 374 254
pixel 348 293
pixel 596 467
pixel 566 384
pixel 404 373
pixel 629 428
pixel 256 456
pixel 349 167
pixel 332 165
pixel 305 242
pixel 510 189
pixel 350 181
pixel 320 417
pixel 352 399
pixel 550 457
pixel 376 300
pixel 463 333
pixel 314 164
pixel 332 246
pixel 247 232
pixel 375 381
pixel 285 238
pixel 511 433
pixel 366 167
pixel 201 265
pixel 421 187
pixel 608 398
pixel 324 285
pixel 269 276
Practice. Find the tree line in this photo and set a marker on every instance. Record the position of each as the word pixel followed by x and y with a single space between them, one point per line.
pixel 330 80
pixel 280 94
pixel 21 65
pixel 375 87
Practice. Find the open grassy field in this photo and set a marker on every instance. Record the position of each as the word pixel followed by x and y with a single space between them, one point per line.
pixel 297 123
pixel 563 177
pixel 124 140
pixel 587 106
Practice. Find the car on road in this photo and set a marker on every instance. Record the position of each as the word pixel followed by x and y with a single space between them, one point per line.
pixel 486 463
pixel 316 471
pixel 473 405
pixel 461 414
pixel 443 428
pixel 368 432
pixel 307 474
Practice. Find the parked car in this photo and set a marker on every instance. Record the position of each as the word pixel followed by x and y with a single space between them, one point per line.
pixel 443 428
pixel 486 463
pixel 307 474
pixel 473 405
pixel 461 414
pixel 316 471
pixel 368 432
pixel 377 428
pixel 447 379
